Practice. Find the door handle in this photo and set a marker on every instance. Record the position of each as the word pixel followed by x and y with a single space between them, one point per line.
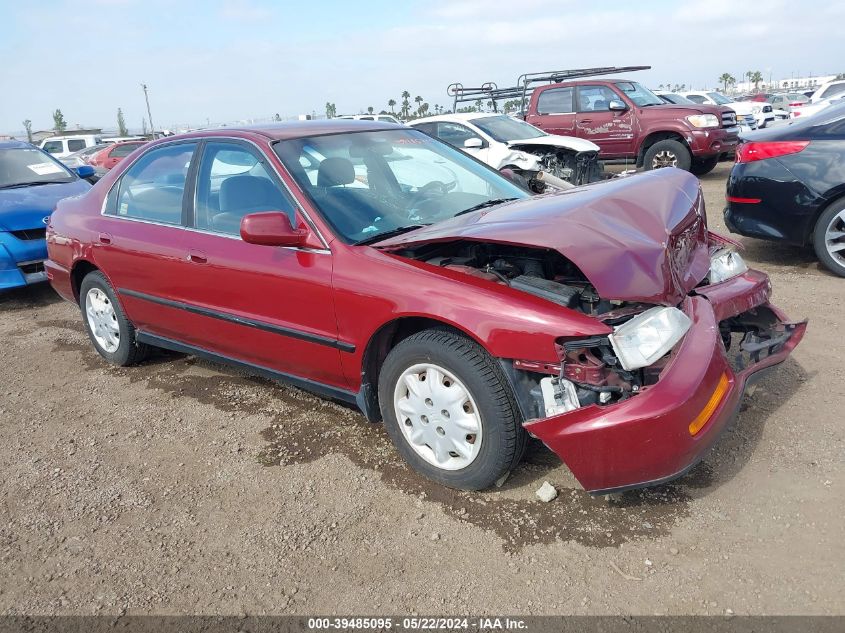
pixel 586 120
pixel 104 238
pixel 197 257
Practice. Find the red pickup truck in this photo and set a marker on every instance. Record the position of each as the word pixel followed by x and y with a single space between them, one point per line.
pixel 627 121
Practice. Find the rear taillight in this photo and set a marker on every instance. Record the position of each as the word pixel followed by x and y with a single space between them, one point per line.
pixel 749 152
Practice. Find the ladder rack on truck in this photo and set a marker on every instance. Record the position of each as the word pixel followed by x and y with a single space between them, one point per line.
pixel 525 85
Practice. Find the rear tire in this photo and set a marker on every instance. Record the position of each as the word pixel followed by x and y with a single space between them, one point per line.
pixel 667 153
pixel 108 328
pixel 702 166
pixel 470 407
pixel 828 235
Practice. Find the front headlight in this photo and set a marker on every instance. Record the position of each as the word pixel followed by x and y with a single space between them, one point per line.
pixel 724 264
pixel 648 336
pixel 703 120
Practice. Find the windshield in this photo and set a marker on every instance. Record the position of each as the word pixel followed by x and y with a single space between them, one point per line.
pixel 505 129
pixel 719 99
pixel 29 166
pixel 638 93
pixel 367 184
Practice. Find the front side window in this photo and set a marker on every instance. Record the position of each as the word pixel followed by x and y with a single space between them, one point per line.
pixel 22 167
pixel 696 98
pixel 153 187
pixel 833 90
pixel 719 99
pixel 232 183
pixel 555 101
pixel 505 129
pixel 75 144
pixel 371 184
pixel 455 134
pixel 595 98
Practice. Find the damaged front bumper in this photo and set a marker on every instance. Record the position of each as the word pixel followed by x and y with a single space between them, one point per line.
pixel 648 439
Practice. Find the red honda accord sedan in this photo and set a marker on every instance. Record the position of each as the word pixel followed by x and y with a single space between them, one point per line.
pixel 376 265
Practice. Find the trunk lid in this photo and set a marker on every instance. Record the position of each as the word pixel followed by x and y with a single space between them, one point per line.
pixel 641 238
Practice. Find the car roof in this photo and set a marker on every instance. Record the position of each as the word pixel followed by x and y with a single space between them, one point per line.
pixel 15 145
pixel 296 129
pixel 457 116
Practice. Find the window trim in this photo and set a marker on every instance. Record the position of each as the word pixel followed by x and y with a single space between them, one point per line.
pixel 200 140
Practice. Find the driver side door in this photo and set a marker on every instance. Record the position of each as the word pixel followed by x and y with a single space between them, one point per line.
pixel 611 130
pixel 271 307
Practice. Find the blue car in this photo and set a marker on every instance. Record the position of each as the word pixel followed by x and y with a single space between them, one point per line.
pixel 31 183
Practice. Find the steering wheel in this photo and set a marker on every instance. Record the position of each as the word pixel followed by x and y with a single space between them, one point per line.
pixel 425 196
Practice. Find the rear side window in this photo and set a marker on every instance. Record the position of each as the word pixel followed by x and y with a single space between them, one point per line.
pixel 232 183
pixel 74 145
pixel 555 101
pixel 53 147
pixel 153 187
pixel 696 98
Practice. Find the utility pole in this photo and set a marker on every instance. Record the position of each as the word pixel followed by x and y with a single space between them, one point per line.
pixel 149 116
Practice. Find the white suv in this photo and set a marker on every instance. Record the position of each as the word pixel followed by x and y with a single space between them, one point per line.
pixel 61 146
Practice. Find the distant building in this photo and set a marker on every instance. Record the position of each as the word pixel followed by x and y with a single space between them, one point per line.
pixel 40 135
pixel 787 83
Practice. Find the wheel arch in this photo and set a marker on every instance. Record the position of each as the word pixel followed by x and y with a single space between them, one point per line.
pixel 379 345
pixel 832 197
pixel 81 268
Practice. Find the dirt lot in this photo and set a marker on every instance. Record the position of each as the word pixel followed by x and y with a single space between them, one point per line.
pixel 181 486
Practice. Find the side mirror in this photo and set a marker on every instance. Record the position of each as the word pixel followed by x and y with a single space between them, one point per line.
pixel 271 228
pixel 85 171
pixel 616 105
pixel 473 143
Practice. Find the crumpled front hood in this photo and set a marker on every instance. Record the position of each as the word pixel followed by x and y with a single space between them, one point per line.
pixel 555 140
pixel 641 238
pixel 26 208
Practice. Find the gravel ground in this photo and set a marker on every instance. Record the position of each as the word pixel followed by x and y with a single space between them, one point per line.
pixel 184 487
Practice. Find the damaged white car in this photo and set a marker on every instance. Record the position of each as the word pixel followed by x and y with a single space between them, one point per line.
pixel 541 160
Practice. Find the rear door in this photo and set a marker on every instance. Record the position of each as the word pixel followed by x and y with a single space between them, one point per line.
pixel 140 244
pixel 268 306
pixel 611 130
pixel 555 112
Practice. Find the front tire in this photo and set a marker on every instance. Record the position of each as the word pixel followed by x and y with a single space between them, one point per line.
pixel 449 411
pixel 702 166
pixel 667 153
pixel 829 238
pixel 108 328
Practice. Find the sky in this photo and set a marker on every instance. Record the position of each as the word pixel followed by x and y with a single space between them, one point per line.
pixel 230 60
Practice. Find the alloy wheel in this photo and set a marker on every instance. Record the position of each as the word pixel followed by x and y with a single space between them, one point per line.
pixel 438 416
pixel 102 320
pixel 834 238
pixel 664 158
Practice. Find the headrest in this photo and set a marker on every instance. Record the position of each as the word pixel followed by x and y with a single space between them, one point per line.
pixel 335 171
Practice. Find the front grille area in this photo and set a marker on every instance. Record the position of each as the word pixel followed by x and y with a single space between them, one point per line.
pixel 728 118
pixel 31 268
pixel 30 234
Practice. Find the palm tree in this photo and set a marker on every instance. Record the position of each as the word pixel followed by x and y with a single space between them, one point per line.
pixel 370 109
pixel 423 108
pixel 756 77
pixel 406 103
pixel 726 79
pixel 390 104
pixel 418 100
pixel 478 104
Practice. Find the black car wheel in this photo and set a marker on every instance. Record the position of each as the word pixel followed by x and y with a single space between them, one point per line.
pixel 108 328
pixel 667 153
pixel 829 238
pixel 702 166
pixel 449 410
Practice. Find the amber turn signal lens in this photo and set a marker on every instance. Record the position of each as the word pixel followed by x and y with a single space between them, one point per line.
pixel 703 417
